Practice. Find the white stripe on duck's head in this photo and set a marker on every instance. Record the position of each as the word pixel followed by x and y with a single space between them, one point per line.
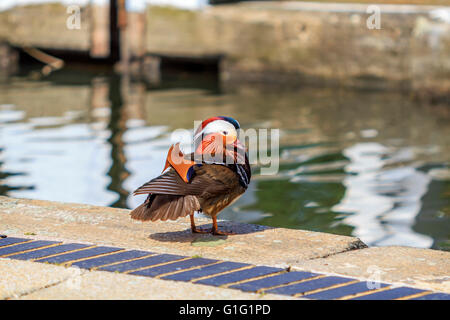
pixel 225 126
pixel 215 129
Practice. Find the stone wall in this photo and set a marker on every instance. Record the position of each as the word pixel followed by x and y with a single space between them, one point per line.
pixel 290 43
pixel 44 26
pixel 307 44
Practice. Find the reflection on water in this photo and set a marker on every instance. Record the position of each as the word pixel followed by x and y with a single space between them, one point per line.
pixel 372 165
pixel 383 203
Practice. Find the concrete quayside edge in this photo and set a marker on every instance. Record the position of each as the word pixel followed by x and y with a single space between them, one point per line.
pixel 259 245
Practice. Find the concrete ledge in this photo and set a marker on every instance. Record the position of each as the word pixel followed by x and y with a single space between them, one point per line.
pixel 22 277
pixel 44 26
pixel 289 43
pixel 34 281
pixel 421 268
pixel 278 247
pixel 311 43
pixel 108 226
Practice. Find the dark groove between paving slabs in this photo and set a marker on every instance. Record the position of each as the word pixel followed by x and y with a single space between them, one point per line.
pixel 434 296
pixel 11 240
pixel 205 271
pixel 284 278
pixel 26 246
pixel 390 294
pixel 141 263
pixel 340 292
pixel 13 245
pixel 112 258
pixel 63 258
pixel 309 285
pixel 175 266
pixel 239 275
pixel 41 253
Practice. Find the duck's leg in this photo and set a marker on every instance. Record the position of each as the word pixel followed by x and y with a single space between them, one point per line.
pixel 194 229
pixel 215 230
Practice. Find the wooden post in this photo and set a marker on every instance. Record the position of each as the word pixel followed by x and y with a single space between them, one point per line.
pixel 100 30
pixel 9 60
pixel 124 47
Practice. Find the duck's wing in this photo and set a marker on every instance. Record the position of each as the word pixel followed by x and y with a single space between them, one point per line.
pixel 170 197
pixel 181 163
pixel 163 207
pixel 210 179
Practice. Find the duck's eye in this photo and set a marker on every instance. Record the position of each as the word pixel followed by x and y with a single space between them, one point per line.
pixel 225 133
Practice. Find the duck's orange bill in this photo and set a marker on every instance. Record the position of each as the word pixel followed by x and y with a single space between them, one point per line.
pixel 182 166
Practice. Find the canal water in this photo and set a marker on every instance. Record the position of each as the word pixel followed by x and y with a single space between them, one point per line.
pixel 375 165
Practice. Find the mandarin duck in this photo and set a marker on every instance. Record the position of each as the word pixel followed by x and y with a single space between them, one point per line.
pixel 207 180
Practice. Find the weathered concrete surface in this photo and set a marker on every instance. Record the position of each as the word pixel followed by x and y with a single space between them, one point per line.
pixel 19 278
pixel 37 281
pixel 422 268
pixel 311 43
pixel 44 26
pixel 301 250
pixel 253 244
pixel 9 60
pixel 283 42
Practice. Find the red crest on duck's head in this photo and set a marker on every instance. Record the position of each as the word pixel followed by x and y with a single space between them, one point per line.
pixel 216 139
pixel 209 120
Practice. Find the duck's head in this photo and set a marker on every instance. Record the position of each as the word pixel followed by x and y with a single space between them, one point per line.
pixel 219 136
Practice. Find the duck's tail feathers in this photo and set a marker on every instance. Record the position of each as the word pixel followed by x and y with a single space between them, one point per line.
pixel 163 207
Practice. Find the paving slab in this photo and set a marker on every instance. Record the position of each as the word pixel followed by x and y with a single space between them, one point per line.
pixel 19 278
pixel 256 258
pixel 245 277
pixel 421 268
pixel 105 285
pixel 109 226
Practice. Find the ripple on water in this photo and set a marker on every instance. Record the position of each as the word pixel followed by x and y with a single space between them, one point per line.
pixel 372 165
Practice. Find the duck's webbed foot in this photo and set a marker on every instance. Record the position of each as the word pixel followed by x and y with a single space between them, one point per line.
pixel 200 230
pixel 194 229
pixel 215 230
